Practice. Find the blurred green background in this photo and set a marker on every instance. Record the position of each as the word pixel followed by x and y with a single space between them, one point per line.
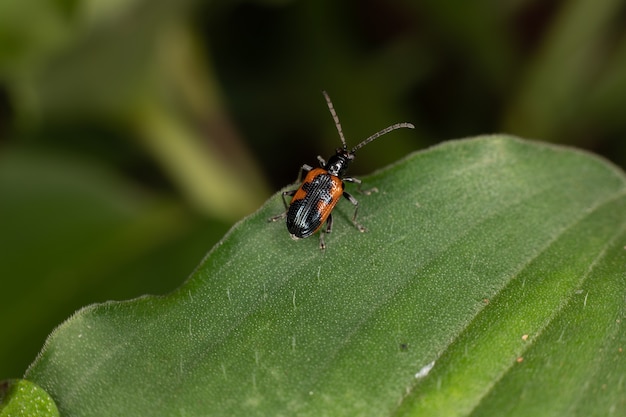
pixel 134 133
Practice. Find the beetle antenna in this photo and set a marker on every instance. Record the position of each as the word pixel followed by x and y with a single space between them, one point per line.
pixel 382 132
pixel 335 118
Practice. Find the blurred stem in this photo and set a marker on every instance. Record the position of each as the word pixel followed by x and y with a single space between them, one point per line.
pixel 608 101
pixel 558 80
pixel 203 156
pixel 205 179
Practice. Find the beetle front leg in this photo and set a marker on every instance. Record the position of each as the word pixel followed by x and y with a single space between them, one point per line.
pixel 354 202
pixel 303 168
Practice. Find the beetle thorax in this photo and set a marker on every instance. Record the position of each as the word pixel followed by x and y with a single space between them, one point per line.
pixel 338 163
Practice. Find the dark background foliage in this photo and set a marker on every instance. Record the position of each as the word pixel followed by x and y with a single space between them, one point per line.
pixel 133 134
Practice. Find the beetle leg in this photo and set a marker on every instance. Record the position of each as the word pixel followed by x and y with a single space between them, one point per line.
pixel 289 193
pixel 360 184
pixel 322 161
pixel 277 217
pixel 328 229
pixel 356 209
pixel 303 168
pixel 283 214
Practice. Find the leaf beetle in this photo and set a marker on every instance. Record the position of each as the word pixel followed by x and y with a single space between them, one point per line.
pixel 313 202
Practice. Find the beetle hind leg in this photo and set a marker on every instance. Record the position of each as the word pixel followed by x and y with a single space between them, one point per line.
pixel 355 203
pixel 327 229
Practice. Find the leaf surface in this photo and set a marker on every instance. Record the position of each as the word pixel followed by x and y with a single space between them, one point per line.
pixel 491 279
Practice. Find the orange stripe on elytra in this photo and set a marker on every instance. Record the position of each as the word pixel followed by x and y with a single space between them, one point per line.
pixel 336 191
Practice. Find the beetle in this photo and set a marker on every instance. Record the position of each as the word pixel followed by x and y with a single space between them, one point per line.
pixel 313 202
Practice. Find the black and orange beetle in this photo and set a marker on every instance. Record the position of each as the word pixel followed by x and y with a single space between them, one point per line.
pixel 312 204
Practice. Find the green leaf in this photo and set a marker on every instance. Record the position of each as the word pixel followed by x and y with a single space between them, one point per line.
pixel 73 232
pixel 20 398
pixel 490 282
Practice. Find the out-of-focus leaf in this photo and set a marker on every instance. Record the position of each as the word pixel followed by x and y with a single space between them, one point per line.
pixel 74 233
pixel 20 398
